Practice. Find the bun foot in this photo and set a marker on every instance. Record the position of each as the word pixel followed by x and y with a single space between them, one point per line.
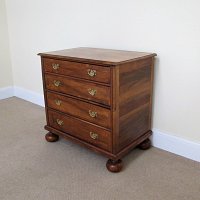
pixel 50 137
pixel 114 166
pixel 146 144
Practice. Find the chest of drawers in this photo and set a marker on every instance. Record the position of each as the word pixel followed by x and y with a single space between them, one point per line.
pixel 99 98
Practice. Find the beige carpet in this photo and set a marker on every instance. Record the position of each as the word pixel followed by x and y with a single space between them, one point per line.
pixel 32 169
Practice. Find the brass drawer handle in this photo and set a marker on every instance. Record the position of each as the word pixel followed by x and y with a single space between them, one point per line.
pixel 94 136
pixel 55 66
pixel 92 91
pixel 92 72
pixel 57 83
pixel 92 113
pixel 58 102
pixel 59 122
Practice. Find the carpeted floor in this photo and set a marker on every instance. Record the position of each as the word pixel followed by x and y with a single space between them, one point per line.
pixel 32 169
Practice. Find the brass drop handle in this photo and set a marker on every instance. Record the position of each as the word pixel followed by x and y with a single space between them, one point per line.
pixel 57 83
pixel 92 113
pixel 58 102
pixel 93 135
pixel 92 91
pixel 55 66
pixel 92 72
pixel 59 122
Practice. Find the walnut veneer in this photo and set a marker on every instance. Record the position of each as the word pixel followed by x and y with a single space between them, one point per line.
pixel 99 98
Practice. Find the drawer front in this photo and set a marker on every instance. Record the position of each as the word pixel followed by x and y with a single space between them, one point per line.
pixel 80 129
pixel 80 70
pixel 80 109
pixel 82 89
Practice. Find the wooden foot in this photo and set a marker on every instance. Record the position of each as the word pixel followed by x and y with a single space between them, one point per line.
pixel 114 166
pixel 146 144
pixel 50 137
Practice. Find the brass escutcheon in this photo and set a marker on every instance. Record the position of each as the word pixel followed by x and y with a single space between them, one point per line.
pixel 92 113
pixel 93 135
pixel 92 91
pixel 57 83
pixel 58 102
pixel 59 122
pixel 55 66
pixel 92 72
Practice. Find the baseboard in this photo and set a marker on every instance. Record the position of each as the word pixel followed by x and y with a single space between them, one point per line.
pixel 6 92
pixel 28 95
pixel 176 145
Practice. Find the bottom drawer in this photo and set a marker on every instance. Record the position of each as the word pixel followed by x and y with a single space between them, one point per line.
pixel 83 130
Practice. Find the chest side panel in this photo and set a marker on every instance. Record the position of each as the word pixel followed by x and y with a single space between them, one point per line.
pixel 135 89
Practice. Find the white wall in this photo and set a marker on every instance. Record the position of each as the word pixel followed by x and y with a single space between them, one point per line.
pixel 169 28
pixel 5 63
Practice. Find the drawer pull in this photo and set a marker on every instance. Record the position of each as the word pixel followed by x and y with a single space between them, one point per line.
pixel 58 102
pixel 93 135
pixel 57 83
pixel 92 91
pixel 92 72
pixel 59 122
pixel 92 113
pixel 55 66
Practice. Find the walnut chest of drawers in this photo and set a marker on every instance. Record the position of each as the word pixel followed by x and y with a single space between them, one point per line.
pixel 99 98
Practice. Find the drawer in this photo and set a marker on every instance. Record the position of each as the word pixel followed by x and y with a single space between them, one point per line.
pixel 80 109
pixel 78 88
pixel 80 70
pixel 81 129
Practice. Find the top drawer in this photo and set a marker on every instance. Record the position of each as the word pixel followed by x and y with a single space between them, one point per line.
pixel 80 70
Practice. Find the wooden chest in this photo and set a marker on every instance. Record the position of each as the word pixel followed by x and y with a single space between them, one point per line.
pixel 99 98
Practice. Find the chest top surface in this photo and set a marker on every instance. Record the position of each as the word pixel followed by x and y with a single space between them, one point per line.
pixel 99 56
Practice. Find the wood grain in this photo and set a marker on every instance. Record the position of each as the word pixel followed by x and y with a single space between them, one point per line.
pixel 78 88
pixel 79 109
pixel 76 69
pixel 134 100
pixel 98 56
pixel 81 129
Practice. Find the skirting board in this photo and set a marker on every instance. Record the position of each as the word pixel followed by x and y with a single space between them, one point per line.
pixel 28 95
pixel 176 145
pixel 22 93
pixel 165 141
pixel 6 92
